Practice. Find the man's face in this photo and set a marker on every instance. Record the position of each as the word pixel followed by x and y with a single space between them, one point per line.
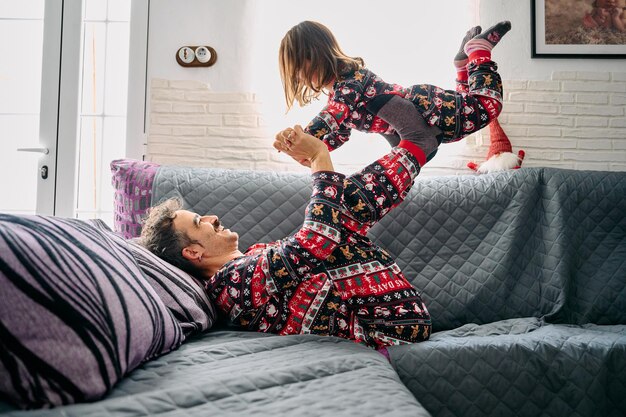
pixel 207 231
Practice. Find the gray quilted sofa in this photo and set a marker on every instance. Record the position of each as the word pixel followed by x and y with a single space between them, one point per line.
pixel 524 274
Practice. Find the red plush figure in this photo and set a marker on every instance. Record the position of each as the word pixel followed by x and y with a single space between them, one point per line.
pixel 500 156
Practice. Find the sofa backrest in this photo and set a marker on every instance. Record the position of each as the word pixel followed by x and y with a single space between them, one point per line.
pixel 536 242
pixel 533 242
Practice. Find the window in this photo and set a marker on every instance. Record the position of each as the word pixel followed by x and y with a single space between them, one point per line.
pixel 103 97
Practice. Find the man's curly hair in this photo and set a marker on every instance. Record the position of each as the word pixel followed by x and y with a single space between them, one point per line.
pixel 159 236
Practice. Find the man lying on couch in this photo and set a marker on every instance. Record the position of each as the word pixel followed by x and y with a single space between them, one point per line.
pixel 328 278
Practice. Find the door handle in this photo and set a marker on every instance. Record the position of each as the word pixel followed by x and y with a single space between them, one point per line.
pixel 44 151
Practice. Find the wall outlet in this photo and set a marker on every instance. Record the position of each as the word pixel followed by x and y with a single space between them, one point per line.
pixel 196 56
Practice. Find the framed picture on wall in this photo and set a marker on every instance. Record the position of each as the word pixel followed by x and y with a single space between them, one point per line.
pixel 578 28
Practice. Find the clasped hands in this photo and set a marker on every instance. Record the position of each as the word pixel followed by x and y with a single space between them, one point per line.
pixel 301 146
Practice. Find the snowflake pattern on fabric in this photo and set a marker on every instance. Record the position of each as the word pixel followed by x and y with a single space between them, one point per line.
pixel 328 278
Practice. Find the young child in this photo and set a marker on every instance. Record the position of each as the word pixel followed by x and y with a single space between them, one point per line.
pixel 311 62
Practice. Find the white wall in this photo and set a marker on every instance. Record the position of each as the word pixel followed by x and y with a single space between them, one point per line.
pixel 224 25
pixel 246 34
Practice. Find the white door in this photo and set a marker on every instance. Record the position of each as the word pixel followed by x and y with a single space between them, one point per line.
pixel 38 105
pixel 63 87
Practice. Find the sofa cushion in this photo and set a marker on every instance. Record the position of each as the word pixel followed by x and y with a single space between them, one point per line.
pixel 521 367
pixel 588 210
pixel 531 242
pixel 76 314
pixel 235 373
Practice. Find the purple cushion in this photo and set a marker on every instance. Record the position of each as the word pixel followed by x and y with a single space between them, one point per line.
pixel 76 313
pixel 180 292
pixel 132 181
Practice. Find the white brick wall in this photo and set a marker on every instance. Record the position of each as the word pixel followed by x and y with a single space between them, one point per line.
pixel 192 125
pixel 575 120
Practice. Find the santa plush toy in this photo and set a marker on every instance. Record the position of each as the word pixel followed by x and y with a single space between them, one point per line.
pixel 500 156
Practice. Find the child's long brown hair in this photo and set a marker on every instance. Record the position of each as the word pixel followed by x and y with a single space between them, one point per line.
pixel 310 49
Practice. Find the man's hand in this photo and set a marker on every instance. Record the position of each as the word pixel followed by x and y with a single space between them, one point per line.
pixel 307 150
pixel 283 144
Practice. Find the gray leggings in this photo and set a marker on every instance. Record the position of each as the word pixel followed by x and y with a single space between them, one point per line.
pixel 408 123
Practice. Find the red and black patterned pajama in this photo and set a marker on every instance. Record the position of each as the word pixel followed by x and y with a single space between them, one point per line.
pixel 356 100
pixel 459 114
pixel 329 278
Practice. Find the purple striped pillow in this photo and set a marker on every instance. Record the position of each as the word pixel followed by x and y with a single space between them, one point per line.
pixel 132 181
pixel 183 294
pixel 179 291
pixel 76 313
